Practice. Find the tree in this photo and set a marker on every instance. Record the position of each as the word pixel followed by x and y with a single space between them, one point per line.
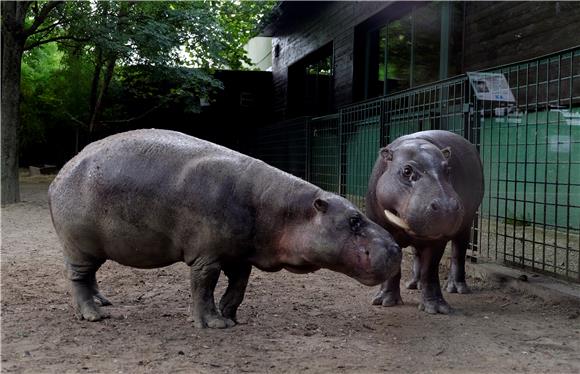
pixel 14 42
pixel 203 34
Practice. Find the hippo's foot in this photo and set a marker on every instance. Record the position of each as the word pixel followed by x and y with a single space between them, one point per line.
pixel 387 298
pixel 90 312
pixel 102 300
pixel 457 287
pixel 229 313
pixel 435 306
pixel 213 322
pixel 413 284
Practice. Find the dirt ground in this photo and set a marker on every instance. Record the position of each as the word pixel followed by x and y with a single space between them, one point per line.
pixel 321 322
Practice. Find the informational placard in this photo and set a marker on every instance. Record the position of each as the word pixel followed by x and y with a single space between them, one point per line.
pixel 491 87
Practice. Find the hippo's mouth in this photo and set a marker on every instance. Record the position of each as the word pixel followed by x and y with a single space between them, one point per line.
pixel 393 218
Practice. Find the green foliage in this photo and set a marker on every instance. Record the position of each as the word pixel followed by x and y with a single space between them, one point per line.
pixel 132 54
pixel 40 76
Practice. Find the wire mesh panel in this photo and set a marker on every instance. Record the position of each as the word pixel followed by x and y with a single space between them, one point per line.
pixel 530 151
pixel 324 157
pixel 441 106
pixel 359 145
pixel 283 145
pixel 531 156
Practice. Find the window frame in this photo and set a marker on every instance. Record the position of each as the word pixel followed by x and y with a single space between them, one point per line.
pixel 372 35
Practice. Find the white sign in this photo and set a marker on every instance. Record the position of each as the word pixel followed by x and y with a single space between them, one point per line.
pixel 491 87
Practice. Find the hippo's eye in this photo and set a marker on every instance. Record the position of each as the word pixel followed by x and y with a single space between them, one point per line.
pixel 407 171
pixel 355 223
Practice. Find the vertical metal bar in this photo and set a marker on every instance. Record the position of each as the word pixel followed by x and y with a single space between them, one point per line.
pixel 308 159
pixel 547 106
pixel 382 125
pixel 477 224
pixel 444 47
pixel 557 180
pixel 385 62
pixel 516 179
pixel 568 246
pixel 412 62
pixel 339 171
pixel 536 95
pixel 536 91
pixel 525 164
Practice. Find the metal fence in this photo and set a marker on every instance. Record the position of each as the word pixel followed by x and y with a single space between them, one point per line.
pixel 283 145
pixel 530 216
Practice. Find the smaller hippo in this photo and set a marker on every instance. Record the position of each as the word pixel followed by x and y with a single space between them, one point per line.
pixel 150 198
pixel 425 189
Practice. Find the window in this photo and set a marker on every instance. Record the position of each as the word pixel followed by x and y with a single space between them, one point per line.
pixel 421 44
pixel 310 84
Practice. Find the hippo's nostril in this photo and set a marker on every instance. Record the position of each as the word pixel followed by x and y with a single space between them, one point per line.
pixel 367 252
pixel 434 205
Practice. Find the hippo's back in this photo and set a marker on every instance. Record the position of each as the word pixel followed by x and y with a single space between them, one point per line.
pixel 141 161
pixel 131 197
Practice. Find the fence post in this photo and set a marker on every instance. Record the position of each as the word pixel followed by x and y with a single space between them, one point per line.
pixel 383 141
pixel 308 151
pixel 340 153
pixel 469 128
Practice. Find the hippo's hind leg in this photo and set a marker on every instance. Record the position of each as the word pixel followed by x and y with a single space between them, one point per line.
pixel 432 298
pixel 204 278
pixel 97 294
pixel 238 277
pixel 390 292
pixel 456 281
pixel 84 290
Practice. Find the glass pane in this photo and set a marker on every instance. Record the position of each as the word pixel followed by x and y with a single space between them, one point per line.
pixel 398 54
pixel 427 44
pixel 456 39
pixel 382 56
pixel 321 67
pixel 316 97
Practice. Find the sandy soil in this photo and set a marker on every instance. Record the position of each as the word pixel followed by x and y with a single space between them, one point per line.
pixel 321 322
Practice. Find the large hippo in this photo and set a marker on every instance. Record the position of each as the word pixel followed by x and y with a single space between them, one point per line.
pixel 150 198
pixel 425 189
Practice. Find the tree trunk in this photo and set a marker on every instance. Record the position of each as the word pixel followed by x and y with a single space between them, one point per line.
pixel 110 68
pixel 12 48
pixel 96 80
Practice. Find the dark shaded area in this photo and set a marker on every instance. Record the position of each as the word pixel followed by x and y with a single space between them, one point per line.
pixel 226 117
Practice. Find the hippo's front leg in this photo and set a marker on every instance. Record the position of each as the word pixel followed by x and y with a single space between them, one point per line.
pixel 237 281
pixel 390 292
pixel 415 281
pixel 204 277
pixel 433 301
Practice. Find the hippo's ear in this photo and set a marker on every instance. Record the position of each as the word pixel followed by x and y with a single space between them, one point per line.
pixel 321 205
pixel 446 152
pixel 386 154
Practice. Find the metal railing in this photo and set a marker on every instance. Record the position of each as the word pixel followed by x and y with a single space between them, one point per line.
pixel 530 149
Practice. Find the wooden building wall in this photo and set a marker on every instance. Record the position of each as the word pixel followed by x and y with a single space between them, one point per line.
pixel 335 23
pixel 496 33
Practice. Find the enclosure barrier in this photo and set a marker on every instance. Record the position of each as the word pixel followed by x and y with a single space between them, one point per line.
pixel 530 149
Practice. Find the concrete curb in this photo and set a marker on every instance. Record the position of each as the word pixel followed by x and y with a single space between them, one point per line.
pixel 544 287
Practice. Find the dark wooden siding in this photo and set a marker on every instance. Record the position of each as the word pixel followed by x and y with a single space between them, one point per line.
pixel 335 24
pixel 498 33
